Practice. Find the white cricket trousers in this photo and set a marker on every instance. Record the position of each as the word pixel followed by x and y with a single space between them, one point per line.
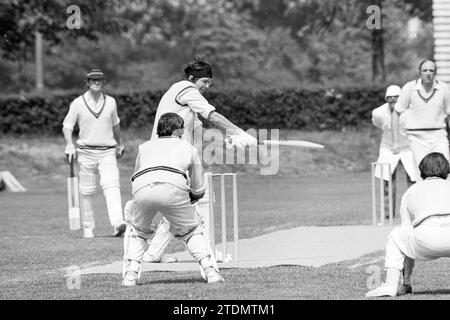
pixel 423 143
pixel 102 163
pixel 428 241
pixel 174 204
pixel 163 236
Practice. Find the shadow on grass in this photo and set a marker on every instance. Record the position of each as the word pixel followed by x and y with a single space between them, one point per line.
pixel 172 281
pixel 432 292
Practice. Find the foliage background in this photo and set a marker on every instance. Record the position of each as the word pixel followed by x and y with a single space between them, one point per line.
pixel 143 44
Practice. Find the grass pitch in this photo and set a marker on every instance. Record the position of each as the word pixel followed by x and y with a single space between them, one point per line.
pixel 329 188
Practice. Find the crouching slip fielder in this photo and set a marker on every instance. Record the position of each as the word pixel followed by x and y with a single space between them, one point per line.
pixel 425 230
pixel 382 118
pixel 185 99
pixel 97 148
pixel 424 105
pixel 160 184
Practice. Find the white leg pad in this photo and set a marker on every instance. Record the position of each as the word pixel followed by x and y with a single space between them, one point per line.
pixel 87 213
pixel 114 205
pixel 134 248
pixel 161 240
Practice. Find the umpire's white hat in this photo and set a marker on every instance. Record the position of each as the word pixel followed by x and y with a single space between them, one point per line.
pixel 393 91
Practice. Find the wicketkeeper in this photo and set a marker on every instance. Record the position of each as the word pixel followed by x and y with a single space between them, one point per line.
pixel 395 155
pixel 168 179
pixel 185 98
pixel 97 147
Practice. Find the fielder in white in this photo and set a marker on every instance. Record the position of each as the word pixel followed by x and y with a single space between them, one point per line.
pixel 185 99
pixel 424 104
pixel 168 179
pixel 97 147
pixel 424 233
pixel 382 118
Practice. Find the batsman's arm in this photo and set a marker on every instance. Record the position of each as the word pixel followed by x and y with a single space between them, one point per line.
pixel 198 104
pixel 223 123
pixel 67 132
pixel 120 149
pixel 69 150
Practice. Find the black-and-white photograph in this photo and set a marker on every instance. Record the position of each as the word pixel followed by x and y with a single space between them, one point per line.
pixel 240 152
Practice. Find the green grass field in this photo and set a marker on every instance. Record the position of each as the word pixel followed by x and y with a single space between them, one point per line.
pixel 36 245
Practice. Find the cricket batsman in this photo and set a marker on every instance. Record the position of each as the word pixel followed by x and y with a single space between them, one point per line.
pixel 382 118
pixel 97 148
pixel 185 98
pixel 168 178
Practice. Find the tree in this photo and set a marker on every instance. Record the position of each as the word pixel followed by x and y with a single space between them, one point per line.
pixel 20 19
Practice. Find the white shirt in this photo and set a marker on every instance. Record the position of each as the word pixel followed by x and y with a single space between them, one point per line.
pixel 184 99
pixel 424 199
pixel 422 109
pixel 95 119
pixel 171 152
pixel 382 118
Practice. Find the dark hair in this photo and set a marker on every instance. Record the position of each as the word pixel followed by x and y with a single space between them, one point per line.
pixel 198 68
pixel 168 123
pixel 428 60
pixel 434 165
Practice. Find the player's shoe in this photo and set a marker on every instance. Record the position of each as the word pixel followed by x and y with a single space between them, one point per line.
pixel 383 291
pixel 212 276
pixel 130 279
pixel 404 289
pixel 164 259
pixel 120 230
pixel 88 233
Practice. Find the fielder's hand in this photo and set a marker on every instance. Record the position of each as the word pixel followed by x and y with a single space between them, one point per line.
pixel 120 150
pixel 70 152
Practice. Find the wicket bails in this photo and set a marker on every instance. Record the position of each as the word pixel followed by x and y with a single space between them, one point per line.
pixel 382 167
pixel 224 214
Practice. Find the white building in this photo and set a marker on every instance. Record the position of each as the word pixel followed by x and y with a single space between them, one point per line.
pixel 441 30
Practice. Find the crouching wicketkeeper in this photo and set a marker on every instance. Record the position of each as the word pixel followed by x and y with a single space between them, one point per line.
pixel 168 178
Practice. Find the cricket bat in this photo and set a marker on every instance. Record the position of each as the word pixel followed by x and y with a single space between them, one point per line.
pixel 294 143
pixel 73 199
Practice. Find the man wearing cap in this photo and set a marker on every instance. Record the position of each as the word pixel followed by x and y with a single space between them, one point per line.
pixel 382 118
pixel 186 99
pixel 97 147
pixel 425 105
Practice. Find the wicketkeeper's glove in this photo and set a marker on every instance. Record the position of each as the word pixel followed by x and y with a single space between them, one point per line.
pixel 194 197
pixel 120 150
pixel 71 152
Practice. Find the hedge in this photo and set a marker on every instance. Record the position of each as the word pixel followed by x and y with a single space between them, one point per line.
pixel 306 109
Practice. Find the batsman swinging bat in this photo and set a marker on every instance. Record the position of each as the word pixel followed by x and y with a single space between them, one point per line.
pixel 73 199
pixel 294 143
